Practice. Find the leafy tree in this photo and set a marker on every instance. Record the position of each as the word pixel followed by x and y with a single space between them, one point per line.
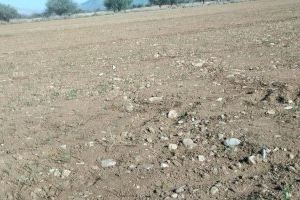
pixel 117 5
pixel 7 12
pixel 61 7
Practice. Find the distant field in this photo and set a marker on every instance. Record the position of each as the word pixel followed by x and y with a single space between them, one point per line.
pixel 76 92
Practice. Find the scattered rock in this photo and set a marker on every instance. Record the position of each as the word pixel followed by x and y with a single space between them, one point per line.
pixel 201 158
pixel 214 190
pixel 147 167
pixel 172 114
pixel 164 165
pixel 65 173
pixel 129 107
pixel 288 107
pixel 180 189
pixel 91 143
pixel 199 64
pixel 232 142
pixel 172 147
pixel 252 160
pixel 271 112
pixel 188 143
pixel 220 136
pixel 164 138
pixel 155 99
pixel 108 163
pixel 219 99
pixel 149 140
pixel 291 156
pixel 265 152
pixel 55 172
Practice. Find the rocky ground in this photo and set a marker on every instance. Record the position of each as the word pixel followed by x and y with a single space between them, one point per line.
pixel 186 103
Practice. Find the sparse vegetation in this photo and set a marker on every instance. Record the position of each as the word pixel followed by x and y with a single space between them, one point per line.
pixel 189 103
pixel 61 7
pixel 7 12
pixel 287 192
pixel 117 5
pixel 163 2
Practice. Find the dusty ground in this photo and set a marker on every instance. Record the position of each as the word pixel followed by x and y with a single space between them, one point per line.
pixel 76 92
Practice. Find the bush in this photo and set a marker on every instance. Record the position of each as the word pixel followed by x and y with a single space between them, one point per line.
pixel 61 7
pixel 117 5
pixel 163 2
pixel 7 12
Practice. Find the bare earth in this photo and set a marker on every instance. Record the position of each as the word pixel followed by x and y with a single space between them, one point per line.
pixel 76 92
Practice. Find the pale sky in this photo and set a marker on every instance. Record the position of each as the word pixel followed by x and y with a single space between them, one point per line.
pixel 34 5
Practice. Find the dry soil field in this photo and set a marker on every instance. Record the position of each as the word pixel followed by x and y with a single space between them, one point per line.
pixel 187 103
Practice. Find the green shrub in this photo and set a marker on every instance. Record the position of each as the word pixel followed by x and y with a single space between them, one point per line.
pixel 117 5
pixel 7 12
pixel 61 7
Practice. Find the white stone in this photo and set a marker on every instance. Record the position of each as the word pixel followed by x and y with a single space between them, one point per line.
pixel 219 99
pixel 199 64
pixel 271 112
pixel 180 189
pixel 55 172
pixel 214 190
pixel 201 158
pixel 164 165
pixel 155 99
pixel 108 163
pixel 65 173
pixel 172 114
pixel 148 139
pixel 188 143
pixel 232 142
pixel 252 160
pixel 172 147
pixel 288 107
pixel 164 138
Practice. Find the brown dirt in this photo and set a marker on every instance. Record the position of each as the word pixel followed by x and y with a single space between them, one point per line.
pixel 76 91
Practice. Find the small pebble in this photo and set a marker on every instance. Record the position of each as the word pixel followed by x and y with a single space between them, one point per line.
pixel 252 160
pixel 201 158
pixel 271 112
pixel 65 173
pixel 147 167
pixel 214 190
pixel 180 189
pixel 173 147
pixel 55 172
pixel 164 138
pixel 291 156
pixel 164 165
pixel 219 99
pixel 149 140
pixel 188 143
pixel 220 136
pixel 108 163
pixel 232 142
pixel 172 114
pixel 288 107
pixel 155 99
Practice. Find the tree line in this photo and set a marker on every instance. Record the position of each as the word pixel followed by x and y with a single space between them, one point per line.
pixel 66 7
